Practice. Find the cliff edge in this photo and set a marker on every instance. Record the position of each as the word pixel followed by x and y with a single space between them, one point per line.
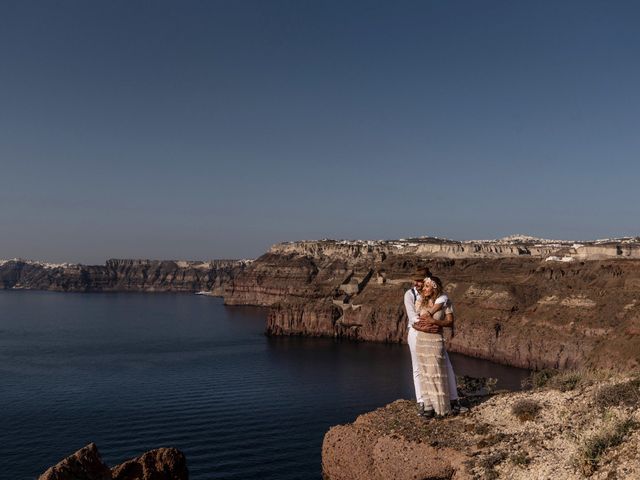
pixel 579 426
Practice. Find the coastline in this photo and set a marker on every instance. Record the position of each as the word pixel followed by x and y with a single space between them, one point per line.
pixel 520 301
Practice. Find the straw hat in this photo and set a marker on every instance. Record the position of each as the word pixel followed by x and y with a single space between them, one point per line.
pixel 421 273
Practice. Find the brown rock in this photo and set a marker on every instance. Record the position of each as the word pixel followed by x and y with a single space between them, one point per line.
pixel 85 464
pixel 158 464
pixel 393 443
pixel 404 460
pixel 491 442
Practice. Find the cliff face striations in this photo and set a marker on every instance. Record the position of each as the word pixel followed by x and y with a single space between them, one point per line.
pixel 120 275
pixel 525 304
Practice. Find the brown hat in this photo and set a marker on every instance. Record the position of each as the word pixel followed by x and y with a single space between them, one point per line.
pixel 420 273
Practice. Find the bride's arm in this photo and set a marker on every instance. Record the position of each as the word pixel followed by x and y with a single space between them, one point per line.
pixel 428 319
pixel 447 322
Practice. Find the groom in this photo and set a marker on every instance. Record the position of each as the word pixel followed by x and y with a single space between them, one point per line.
pixel 415 324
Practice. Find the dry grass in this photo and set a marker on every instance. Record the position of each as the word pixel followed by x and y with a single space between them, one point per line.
pixel 492 460
pixel 520 458
pixel 592 448
pixel 526 410
pixel 472 386
pixel 539 379
pixel 625 393
pixel 562 380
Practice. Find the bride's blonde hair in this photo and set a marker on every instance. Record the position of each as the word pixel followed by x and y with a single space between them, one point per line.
pixel 436 284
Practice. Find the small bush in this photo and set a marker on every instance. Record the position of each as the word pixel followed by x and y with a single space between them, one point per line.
pixel 539 379
pixel 482 428
pixel 521 459
pixel 626 393
pixel 526 410
pixel 593 447
pixel 492 439
pixel 471 386
pixel 559 380
pixel 566 381
pixel 492 460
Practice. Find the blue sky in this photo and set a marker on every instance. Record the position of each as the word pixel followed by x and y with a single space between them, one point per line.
pixel 213 129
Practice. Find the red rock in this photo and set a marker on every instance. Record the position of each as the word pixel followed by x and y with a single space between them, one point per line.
pixel 85 464
pixel 158 464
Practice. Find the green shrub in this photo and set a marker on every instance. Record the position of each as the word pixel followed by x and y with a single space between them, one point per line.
pixel 526 410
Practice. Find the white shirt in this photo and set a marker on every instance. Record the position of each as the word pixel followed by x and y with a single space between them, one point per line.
pixel 410 304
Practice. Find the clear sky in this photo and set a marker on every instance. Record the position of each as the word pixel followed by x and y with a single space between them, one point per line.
pixel 213 129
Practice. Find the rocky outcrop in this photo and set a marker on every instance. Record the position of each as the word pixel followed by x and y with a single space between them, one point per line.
pixel 121 275
pixel 578 429
pixel 158 464
pixel 87 464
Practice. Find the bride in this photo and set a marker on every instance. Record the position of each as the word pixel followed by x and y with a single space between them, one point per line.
pixel 430 349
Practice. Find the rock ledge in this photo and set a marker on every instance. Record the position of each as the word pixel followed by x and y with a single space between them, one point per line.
pixel 586 431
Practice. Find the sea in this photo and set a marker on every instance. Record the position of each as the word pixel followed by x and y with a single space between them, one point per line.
pixel 133 371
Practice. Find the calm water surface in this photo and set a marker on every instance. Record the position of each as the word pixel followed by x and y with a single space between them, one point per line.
pixel 133 372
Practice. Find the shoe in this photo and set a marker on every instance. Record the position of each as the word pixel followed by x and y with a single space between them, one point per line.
pixel 457 408
pixel 430 413
pixel 424 413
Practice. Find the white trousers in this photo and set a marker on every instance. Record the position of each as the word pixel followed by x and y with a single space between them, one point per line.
pixel 453 387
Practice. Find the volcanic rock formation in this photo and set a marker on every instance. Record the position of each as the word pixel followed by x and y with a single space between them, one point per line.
pixel 530 305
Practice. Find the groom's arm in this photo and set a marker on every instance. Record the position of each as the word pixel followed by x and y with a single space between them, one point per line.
pixel 410 307
pixel 412 315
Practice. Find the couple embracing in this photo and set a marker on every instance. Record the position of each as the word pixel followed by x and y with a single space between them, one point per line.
pixel 429 310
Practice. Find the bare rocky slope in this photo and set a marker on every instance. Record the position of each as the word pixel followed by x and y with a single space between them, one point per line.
pixel 577 427
pixel 518 301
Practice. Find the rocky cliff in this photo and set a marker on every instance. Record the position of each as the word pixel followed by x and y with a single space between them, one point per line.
pixel 121 275
pixel 581 425
pixel 520 300
pixel 523 303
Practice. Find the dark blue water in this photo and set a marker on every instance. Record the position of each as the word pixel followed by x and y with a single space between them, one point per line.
pixel 133 372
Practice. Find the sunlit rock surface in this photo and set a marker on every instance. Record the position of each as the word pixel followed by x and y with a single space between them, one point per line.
pixel 581 428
